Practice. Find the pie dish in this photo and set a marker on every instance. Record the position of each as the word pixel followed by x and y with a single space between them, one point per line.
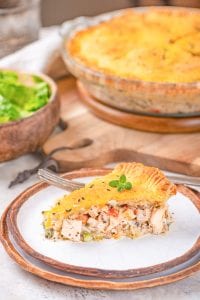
pixel 140 60
pixel 128 202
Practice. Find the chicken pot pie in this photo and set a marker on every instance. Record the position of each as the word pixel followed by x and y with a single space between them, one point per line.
pixel 155 46
pixel 128 202
pixel 139 60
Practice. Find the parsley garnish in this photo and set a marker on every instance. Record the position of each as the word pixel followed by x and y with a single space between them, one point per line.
pixel 121 184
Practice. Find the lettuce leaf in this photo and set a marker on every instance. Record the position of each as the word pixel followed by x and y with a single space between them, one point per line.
pixel 18 99
pixel 8 111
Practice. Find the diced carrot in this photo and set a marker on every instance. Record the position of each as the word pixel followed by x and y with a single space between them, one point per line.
pixel 83 218
pixel 113 212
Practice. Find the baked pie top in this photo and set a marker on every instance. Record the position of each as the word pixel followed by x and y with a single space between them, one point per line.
pixel 142 185
pixel 156 45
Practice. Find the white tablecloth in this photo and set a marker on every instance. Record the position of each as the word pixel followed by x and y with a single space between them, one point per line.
pixel 40 56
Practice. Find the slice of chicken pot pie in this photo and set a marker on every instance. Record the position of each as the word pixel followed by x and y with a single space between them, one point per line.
pixel 129 202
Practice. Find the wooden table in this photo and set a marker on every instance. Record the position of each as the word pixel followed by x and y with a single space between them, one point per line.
pixel 18 284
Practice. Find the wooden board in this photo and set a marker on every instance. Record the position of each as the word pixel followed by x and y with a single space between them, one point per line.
pixel 110 143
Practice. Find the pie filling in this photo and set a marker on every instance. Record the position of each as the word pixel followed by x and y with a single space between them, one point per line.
pixel 110 221
pixel 130 201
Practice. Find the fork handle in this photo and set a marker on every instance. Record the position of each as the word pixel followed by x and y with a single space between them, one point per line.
pixel 58 181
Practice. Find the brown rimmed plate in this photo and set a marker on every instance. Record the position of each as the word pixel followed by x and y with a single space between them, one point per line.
pixel 106 259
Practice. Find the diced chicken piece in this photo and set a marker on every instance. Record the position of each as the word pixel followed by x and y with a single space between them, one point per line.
pixel 105 209
pixel 140 216
pixel 71 229
pixel 101 226
pixel 147 213
pixel 92 222
pixel 57 224
pixel 113 202
pixel 134 230
pixel 143 215
pixel 113 223
pixel 157 220
pixel 103 217
pixel 93 212
pixel 129 214
pixel 125 225
pixel 96 225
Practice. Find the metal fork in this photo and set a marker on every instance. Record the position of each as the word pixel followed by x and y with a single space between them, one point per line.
pixel 70 185
pixel 54 179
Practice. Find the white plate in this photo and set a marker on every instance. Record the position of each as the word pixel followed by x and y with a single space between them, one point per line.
pixel 116 255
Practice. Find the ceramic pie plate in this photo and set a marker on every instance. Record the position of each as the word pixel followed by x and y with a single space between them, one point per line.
pixel 179 261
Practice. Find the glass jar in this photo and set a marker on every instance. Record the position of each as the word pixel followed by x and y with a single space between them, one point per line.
pixel 19 24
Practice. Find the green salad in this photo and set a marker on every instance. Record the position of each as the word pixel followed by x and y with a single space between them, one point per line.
pixel 21 95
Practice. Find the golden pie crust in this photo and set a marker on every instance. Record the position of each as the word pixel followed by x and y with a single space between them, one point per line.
pixel 156 45
pixel 149 186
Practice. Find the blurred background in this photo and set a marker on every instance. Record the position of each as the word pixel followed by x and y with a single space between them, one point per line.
pixel 21 20
pixel 55 12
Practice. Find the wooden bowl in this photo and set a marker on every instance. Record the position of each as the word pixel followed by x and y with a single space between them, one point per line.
pixel 28 134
